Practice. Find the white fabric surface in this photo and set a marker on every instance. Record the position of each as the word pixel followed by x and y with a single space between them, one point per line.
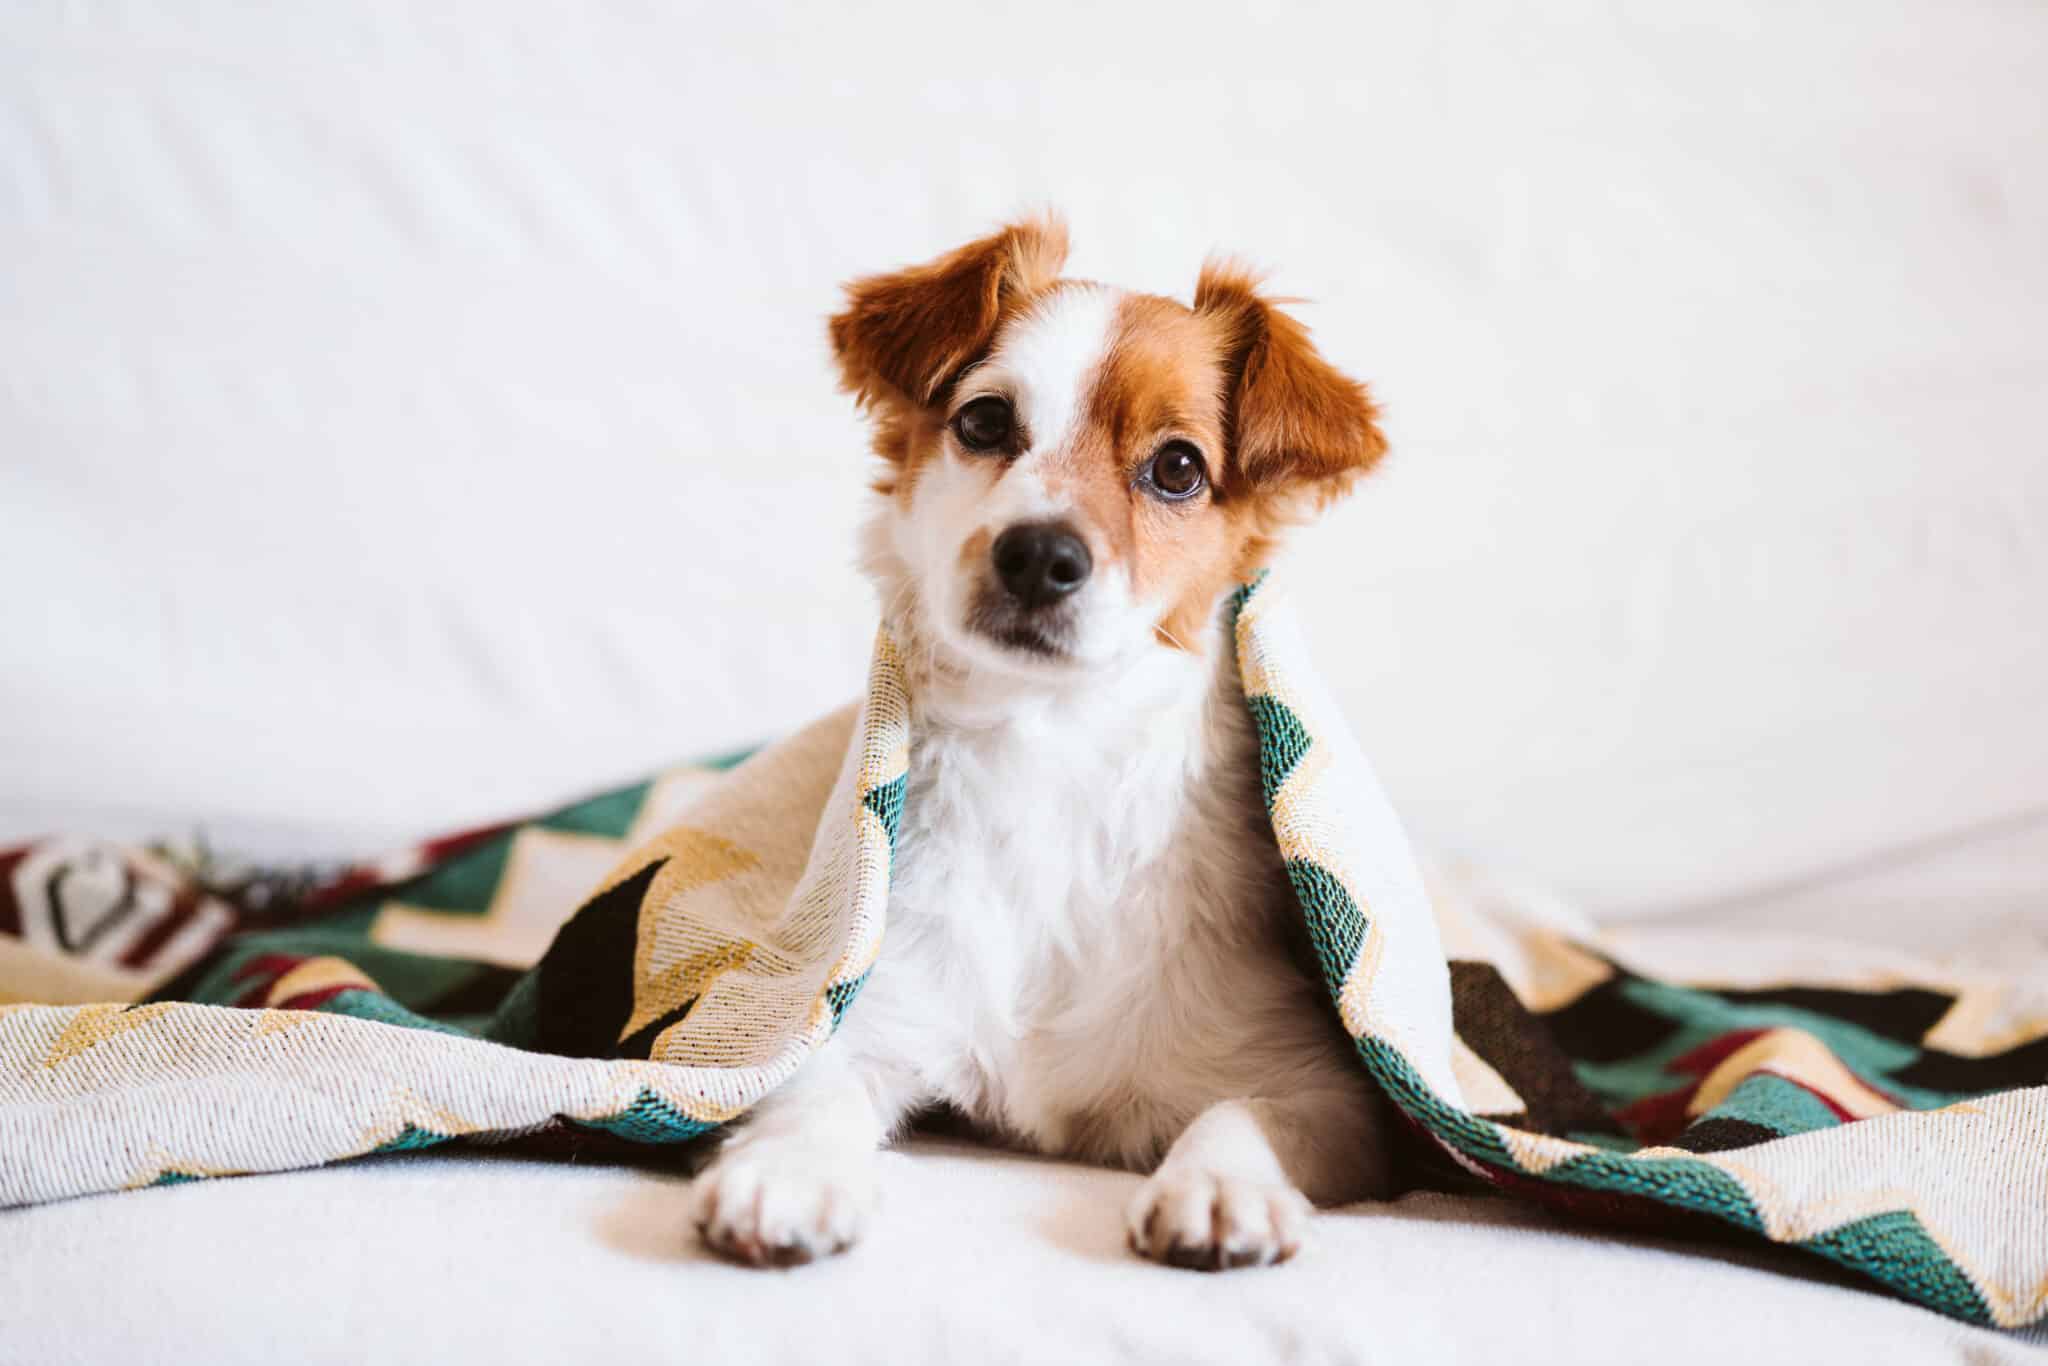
pixel 401 406
pixel 976 1257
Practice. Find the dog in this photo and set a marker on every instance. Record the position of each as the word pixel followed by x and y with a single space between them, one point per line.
pixel 1093 949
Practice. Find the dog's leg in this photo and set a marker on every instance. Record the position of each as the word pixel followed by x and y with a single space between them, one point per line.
pixel 1236 1186
pixel 798 1180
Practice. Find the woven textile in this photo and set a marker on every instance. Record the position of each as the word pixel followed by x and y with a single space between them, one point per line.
pixel 160 1026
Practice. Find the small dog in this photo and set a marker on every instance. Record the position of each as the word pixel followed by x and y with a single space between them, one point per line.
pixel 1091 944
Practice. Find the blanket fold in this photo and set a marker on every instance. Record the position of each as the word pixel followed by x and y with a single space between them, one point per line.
pixel 154 1029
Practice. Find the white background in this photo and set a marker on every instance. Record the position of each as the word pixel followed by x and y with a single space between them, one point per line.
pixel 410 414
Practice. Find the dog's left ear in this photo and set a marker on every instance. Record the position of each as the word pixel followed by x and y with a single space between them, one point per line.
pixel 907 334
pixel 1296 423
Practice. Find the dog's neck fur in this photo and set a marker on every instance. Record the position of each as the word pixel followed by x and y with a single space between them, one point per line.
pixel 1054 821
pixel 1082 866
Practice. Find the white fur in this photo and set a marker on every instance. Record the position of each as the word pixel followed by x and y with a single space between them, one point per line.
pixel 1087 949
pixel 1045 365
pixel 1047 359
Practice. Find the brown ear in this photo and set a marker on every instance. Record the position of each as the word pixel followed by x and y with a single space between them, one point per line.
pixel 1294 418
pixel 907 333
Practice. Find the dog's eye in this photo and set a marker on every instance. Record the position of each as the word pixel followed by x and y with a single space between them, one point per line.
pixel 1177 471
pixel 984 424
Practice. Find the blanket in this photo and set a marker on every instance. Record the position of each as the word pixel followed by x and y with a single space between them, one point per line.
pixel 640 968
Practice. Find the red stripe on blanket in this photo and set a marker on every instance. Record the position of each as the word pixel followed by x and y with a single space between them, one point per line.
pixel 1658 1119
pixel 1699 1061
pixel 400 868
pixel 314 999
pixel 184 908
pixel 261 973
pixel 1835 1107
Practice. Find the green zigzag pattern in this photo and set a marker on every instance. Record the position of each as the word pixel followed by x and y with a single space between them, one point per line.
pixel 649 1119
pixel 886 802
pixel 1283 741
pixel 411 1139
pixel 1336 925
pixel 1895 1248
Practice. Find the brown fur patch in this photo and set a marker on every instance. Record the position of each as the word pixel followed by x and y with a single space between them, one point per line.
pixel 1161 380
pixel 904 336
pixel 1299 432
pixel 906 438
pixel 1293 417
pixel 1280 430
pixel 974 551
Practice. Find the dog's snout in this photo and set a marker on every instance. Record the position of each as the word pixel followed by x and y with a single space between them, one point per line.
pixel 1041 562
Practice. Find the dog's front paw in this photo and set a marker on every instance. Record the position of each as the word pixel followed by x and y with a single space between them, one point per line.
pixel 1209 1221
pixel 782 1204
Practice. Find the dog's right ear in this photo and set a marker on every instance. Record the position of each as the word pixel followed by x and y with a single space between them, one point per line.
pixel 907 334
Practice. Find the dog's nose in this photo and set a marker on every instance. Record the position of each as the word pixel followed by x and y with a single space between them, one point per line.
pixel 1041 562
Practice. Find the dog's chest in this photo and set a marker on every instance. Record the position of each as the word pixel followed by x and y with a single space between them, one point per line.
pixel 1069 901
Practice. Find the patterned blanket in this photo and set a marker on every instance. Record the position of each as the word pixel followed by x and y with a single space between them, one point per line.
pixel 165 1018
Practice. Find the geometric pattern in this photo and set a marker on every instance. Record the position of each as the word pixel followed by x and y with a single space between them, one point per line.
pixel 641 967
pixel 1823 1119
pixel 312 1033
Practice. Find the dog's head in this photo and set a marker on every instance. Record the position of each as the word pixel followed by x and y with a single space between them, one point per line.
pixel 1076 474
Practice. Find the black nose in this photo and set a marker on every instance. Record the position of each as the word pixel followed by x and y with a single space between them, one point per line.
pixel 1041 563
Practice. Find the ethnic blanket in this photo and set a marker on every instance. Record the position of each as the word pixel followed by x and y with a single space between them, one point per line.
pixel 641 967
